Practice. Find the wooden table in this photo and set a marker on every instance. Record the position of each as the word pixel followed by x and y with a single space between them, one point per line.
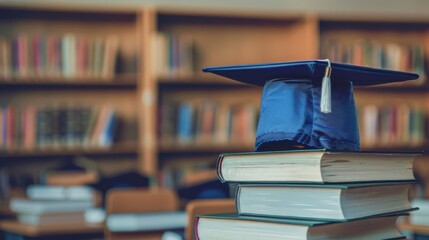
pixel 80 231
pixel 418 229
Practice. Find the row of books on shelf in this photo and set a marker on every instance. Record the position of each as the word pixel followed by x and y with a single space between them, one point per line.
pixel 394 125
pixel 67 56
pixel 207 121
pixel 199 122
pixel 407 57
pixel 175 55
pixel 46 127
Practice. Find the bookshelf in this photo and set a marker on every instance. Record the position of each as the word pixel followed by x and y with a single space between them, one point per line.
pixel 105 45
pixel 166 49
pixel 307 34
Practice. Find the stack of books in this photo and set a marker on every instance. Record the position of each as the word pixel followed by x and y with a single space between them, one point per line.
pixel 312 194
pixel 53 205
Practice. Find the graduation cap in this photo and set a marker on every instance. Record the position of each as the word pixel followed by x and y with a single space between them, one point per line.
pixel 308 103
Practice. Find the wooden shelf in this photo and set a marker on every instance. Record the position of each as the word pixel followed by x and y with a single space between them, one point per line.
pixel 171 148
pixel 399 149
pixel 199 79
pixel 394 89
pixel 79 83
pixel 117 149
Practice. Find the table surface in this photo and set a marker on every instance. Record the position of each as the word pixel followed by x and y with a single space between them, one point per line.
pixel 36 231
pixel 419 229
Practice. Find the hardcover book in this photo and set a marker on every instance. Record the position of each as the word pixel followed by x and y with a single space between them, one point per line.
pixel 316 166
pixel 325 202
pixel 231 226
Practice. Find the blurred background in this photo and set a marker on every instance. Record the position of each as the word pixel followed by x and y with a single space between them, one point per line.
pixel 101 95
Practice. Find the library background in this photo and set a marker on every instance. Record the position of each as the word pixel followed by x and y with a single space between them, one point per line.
pixel 110 130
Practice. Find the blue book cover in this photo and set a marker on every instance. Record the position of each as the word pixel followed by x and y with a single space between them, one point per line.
pixel 185 122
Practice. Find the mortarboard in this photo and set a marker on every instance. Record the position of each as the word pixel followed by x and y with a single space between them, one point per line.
pixel 296 101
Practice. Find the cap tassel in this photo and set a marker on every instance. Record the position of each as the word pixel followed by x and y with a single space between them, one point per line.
pixel 325 101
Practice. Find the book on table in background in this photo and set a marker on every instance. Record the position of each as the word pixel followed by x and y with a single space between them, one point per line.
pixel 70 56
pixel 68 203
pixel 38 207
pixel 57 192
pixel 420 217
pixel 89 215
pixel 324 202
pixel 209 227
pixel 157 221
pixel 61 218
pixel 315 166
pixel 53 126
pixel 394 125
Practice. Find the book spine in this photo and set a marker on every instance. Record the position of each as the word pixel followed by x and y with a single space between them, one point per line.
pixel 196 223
pixel 238 199
pixel 219 168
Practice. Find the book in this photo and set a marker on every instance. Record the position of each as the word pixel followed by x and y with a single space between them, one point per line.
pixel 109 59
pixel 95 215
pixel 232 226
pixel 146 221
pixel 325 202
pixel 420 217
pixel 317 166
pixel 29 206
pixel 52 218
pixel 44 192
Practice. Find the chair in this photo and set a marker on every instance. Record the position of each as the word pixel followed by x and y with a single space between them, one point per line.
pixel 198 207
pixel 138 200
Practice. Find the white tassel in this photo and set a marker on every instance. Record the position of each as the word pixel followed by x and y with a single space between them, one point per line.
pixel 325 98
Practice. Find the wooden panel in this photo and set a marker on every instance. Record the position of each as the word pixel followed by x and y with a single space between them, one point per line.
pixel 249 43
pixel 147 95
pixel 135 236
pixel 139 201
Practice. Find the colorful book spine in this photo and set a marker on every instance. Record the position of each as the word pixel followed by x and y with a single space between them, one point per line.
pixel 407 57
pixel 392 126
pixel 47 127
pixel 175 55
pixel 207 121
pixel 67 57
